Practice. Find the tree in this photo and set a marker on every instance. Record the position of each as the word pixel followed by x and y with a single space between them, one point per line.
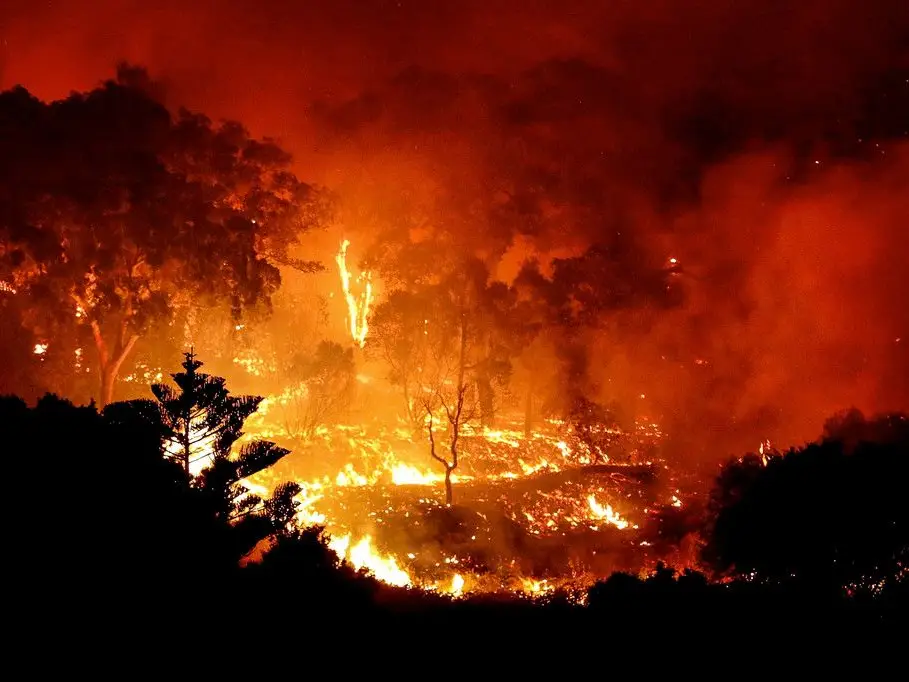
pixel 443 375
pixel 454 403
pixel 413 328
pixel 831 514
pixel 202 419
pixel 399 336
pixel 138 520
pixel 201 424
pixel 322 391
pixel 172 213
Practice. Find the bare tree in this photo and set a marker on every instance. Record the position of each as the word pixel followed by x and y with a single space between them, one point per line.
pixel 457 404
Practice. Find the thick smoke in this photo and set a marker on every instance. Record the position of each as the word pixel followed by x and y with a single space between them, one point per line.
pixel 762 144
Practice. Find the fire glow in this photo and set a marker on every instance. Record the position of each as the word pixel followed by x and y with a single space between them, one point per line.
pixel 543 482
pixel 357 305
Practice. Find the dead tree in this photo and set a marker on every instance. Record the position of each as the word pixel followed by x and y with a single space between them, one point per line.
pixel 457 416
pixel 456 408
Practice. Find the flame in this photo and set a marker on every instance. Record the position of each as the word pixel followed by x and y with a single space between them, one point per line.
pixel 606 513
pixel 405 474
pixel 305 499
pixel 40 348
pixel 348 476
pixel 375 463
pixel 535 587
pixel 362 556
pixel 357 306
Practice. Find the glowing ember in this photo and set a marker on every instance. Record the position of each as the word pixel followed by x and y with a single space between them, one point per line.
pixel 357 306
pixel 40 348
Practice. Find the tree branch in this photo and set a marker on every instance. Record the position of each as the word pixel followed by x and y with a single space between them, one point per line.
pixel 100 343
pixel 124 351
pixel 432 439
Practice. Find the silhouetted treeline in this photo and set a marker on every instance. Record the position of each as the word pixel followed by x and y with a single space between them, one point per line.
pixel 832 514
pixel 105 532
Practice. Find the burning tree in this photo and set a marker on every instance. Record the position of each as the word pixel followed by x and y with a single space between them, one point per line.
pixel 558 313
pixel 172 213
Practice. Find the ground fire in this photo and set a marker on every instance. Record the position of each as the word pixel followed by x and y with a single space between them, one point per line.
pixel 522 502
pixel 535 511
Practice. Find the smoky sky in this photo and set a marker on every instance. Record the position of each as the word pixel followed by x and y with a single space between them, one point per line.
pixel 764 144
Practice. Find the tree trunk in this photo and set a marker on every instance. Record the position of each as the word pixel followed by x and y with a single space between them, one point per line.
pixel 448 491
pixel 111 362
pixel 108 377
pixel 487 400
pixel 412 417
pixel 187 417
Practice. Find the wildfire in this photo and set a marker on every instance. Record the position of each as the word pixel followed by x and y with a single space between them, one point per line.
pixel 535 587
pixel 457 585
pixel 606 513
pixel 362 556
pixel 349 477
pixel 372 485
pixel 357 306
pixel 405 474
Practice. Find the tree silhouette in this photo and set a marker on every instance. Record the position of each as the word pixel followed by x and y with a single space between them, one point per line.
pixel 202 422
pixel 831 514
pixel 445 388
pixel 172 210
pixel 201 416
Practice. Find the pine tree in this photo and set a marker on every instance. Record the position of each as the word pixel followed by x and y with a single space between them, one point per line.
pixel 202 422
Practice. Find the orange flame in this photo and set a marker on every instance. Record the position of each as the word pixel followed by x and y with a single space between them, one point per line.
pixel 606 513
pixel 357 306
pixel 362 556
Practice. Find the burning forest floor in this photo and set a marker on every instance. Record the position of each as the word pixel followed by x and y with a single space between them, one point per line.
pixel 532 513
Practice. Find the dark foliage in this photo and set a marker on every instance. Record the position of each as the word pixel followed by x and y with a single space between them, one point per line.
pixel 832 513
pixel 111 538
pixel 116 215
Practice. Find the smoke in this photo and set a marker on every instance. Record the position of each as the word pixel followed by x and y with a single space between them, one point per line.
pixel 761 143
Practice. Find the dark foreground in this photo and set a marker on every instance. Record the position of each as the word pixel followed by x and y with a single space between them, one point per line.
pixel 111 551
